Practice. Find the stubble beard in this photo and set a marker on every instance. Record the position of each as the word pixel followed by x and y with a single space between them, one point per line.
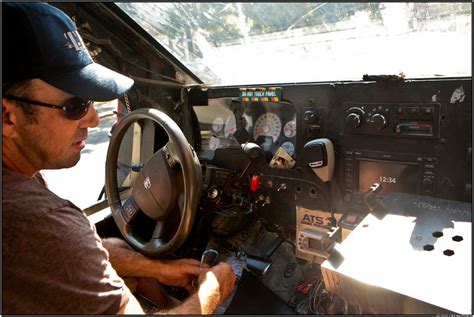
pixel 35 150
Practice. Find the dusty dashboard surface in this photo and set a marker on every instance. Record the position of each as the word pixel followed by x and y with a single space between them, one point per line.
pixel 413 257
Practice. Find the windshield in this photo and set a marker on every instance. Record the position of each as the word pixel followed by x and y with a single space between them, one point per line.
pixel 261 43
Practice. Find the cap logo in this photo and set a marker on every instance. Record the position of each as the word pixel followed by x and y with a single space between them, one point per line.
pixel 147 183
pixel 74 40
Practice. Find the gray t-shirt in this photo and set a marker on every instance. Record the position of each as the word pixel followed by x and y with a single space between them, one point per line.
pixel 53 259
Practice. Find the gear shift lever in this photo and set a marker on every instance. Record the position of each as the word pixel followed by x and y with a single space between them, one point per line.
pixel 253 151
pixel 209 257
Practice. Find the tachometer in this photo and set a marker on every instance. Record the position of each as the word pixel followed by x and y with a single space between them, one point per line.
pixel 230 126
pixel 269 124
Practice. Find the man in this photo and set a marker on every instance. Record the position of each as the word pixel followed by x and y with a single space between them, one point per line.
pixel 53 260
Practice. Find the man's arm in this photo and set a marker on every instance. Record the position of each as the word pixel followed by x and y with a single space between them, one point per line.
pixel 216 284
pixel 128 262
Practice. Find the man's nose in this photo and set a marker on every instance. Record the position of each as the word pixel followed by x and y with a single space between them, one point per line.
pixel 91 119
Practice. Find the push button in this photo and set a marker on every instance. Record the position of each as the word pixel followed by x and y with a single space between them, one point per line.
pixel 350 220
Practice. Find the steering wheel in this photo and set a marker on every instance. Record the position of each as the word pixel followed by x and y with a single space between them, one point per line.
pixel 170 180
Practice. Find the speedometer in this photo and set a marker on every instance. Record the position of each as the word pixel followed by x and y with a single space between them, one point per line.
pixel 269 125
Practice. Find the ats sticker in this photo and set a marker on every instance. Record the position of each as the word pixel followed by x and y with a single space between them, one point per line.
pixel 312 220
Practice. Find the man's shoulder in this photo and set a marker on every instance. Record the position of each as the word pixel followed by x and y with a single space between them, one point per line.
pixel 30 195
pixel 30 208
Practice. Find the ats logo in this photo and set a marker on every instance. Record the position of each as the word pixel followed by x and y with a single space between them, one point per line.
pixel 313 220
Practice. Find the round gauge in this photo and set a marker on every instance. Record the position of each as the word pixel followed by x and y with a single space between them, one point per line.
pixel 269 124
pixel 288 147
pixel 217 124
pixel 289 130
pixel 230 126
pixel 214 143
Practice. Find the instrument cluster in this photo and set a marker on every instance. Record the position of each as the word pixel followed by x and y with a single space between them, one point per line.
pixel 272 125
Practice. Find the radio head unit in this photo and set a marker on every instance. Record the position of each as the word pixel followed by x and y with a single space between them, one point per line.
pixel 406 120
pixel 398 172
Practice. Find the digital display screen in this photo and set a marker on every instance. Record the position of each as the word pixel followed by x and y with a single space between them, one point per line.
pixel 394 177
pixel 314 244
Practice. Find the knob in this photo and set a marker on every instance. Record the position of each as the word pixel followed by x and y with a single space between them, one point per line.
pixel 213 193
pixel 353 120
pixel 378 121
pixel 311 117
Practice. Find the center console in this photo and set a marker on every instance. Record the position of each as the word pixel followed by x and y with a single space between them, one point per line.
pixel 382 145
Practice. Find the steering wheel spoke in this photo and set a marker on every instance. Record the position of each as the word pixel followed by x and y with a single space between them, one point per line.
pixel 159 232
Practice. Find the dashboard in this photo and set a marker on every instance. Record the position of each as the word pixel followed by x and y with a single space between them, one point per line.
pixel 402 135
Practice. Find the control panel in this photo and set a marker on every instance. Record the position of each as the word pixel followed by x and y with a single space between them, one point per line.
pixel 397 120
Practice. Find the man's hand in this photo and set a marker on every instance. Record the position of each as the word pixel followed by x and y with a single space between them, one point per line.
pixel 215 285
pixel 129 263
pixel 177 272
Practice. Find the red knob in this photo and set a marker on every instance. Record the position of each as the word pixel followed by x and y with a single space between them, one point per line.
pixel 255 183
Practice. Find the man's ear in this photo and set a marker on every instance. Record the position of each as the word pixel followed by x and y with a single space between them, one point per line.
pixel 9 119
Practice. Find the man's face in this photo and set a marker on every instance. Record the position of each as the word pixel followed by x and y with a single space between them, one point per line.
pixel 53 142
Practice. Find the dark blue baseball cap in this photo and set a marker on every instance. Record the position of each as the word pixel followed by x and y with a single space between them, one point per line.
pixel 41 41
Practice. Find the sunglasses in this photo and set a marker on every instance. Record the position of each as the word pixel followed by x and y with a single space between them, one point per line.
pixel 75 108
